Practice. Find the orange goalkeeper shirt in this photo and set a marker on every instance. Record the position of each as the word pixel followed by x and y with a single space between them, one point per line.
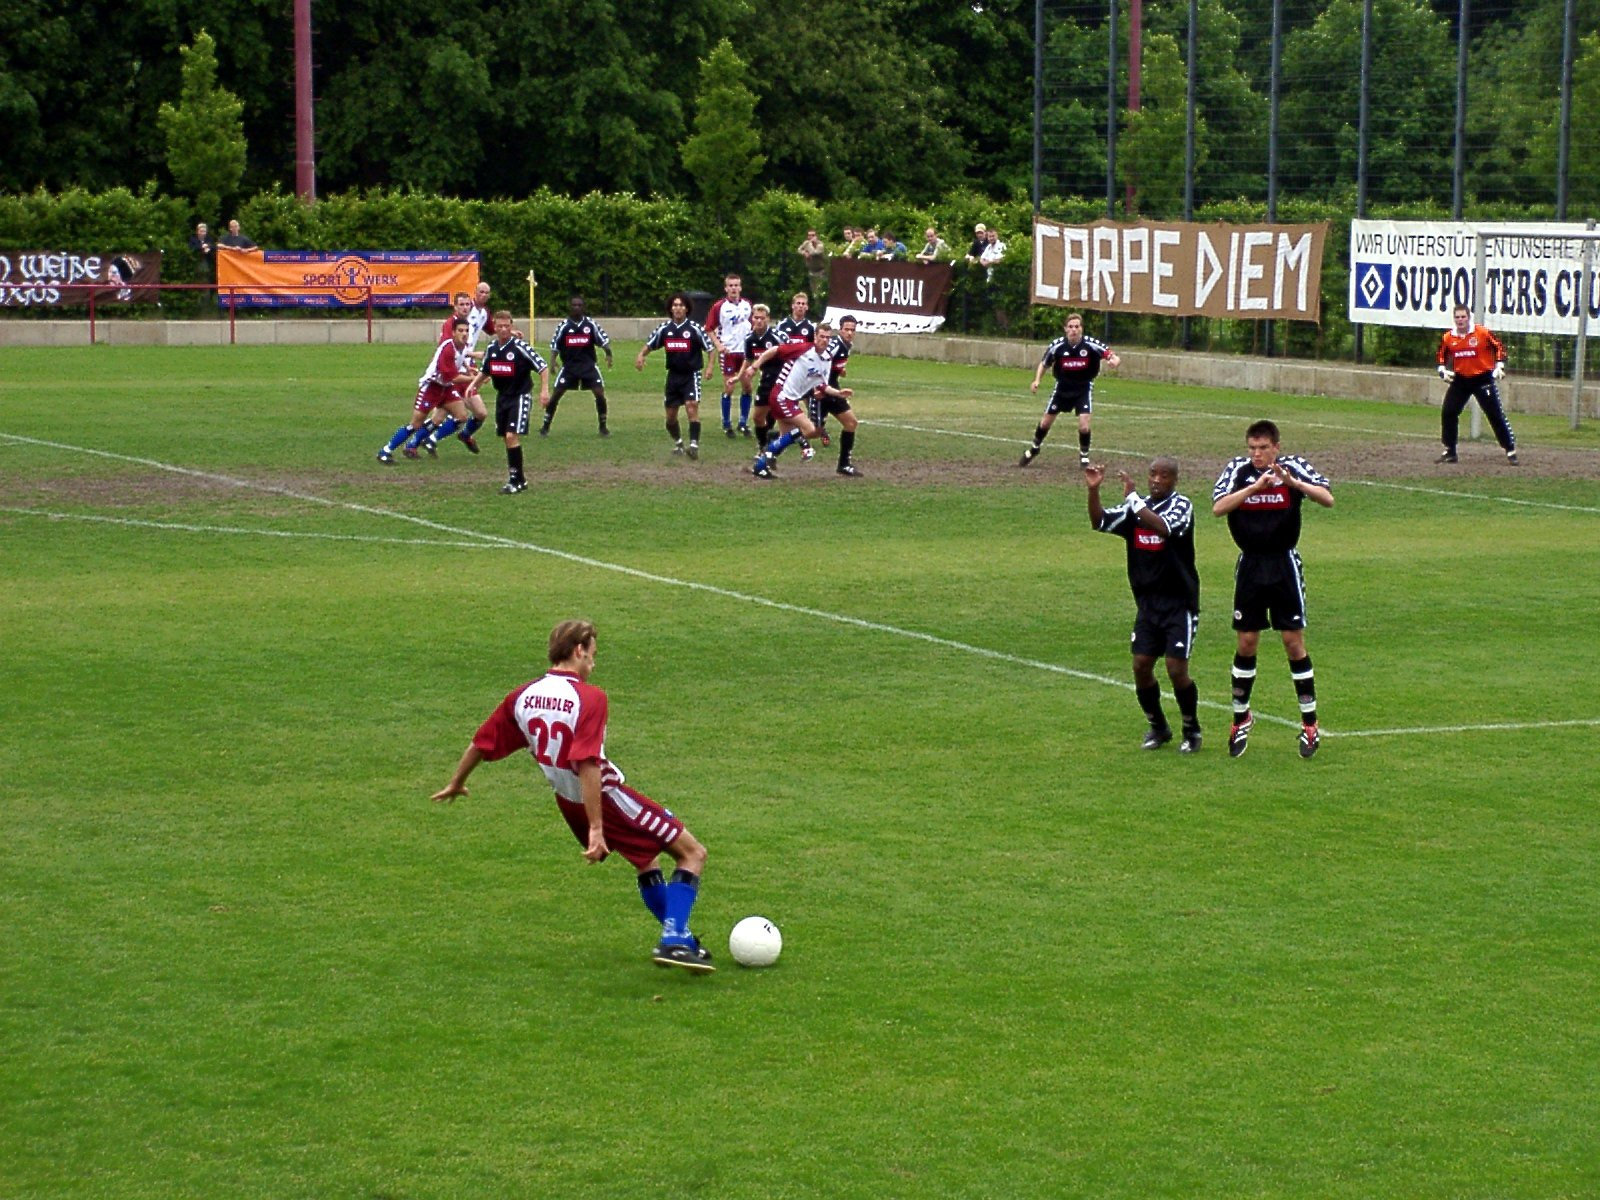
pixel 1472 354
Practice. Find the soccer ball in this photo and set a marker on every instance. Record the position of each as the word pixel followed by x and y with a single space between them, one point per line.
pixel 755 942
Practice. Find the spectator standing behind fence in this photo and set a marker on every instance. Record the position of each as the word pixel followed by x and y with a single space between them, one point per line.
pixel 892 249
pixel 993 251
pixel 934 247
pixel 234 239
pixel 201 242
pixel 1471 361
pixel 815 256
pixel 853 240
pixel 871 243
pixel 979 242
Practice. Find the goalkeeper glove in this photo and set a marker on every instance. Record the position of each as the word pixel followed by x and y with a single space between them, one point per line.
pixel 1445 373
pixel 1499 370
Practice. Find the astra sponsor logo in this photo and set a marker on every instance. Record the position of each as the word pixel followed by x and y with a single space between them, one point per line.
pixel 1146 540
pixel 1271 498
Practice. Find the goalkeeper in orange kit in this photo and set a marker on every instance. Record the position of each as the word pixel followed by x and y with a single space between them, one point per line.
pixel 1471 361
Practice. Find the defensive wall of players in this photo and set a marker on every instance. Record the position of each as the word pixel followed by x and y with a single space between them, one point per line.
pixel 1294 377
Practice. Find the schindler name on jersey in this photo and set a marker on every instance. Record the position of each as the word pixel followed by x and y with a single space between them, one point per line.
pixel 1413 273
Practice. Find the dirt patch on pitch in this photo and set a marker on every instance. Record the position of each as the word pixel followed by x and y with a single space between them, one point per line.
pixel 1342 460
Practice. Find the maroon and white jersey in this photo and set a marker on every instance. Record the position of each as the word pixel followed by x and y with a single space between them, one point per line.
pixel 804 370
pixel 448 362
pixel 561 721
pixel 729 321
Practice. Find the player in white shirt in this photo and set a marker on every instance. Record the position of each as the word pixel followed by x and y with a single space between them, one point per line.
pixel 728 323
pixel 807 368
pixel 560 719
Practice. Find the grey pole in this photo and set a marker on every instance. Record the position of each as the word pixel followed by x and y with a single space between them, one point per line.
pixel 1458 183
pixel 1272 130
pixel 1585 283
pixel 1111 111
pixel 1038 97
pixel 1111 136
pixel 1188 135
pixel 1564 131
pixel 1361 141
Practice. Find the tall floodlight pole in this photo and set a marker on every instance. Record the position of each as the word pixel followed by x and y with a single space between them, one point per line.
pixel 1272 129
pixel 1458 183
pixel 1111 134
pixel 1362 136
pixel 1111 109
pixel 1038 97
pixel 1188 134
pixel 1564 131
pixel 305 154
pixel 1135 62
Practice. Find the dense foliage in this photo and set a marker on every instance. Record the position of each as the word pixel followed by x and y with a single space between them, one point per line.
pixel 902 98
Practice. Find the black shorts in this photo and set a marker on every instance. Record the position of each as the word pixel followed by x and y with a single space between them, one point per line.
pixel 580 375
pixel 511 413
pixel 1078 400
pixel 764 388
pixel 1269 591
pixel 824 405
pixel 683 387
pixel 1165 627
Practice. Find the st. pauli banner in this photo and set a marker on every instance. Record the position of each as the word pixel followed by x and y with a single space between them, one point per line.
pixel 44 278
pixel 341 278
pixel 1414 273
pixel 1181 269
pixel 888 297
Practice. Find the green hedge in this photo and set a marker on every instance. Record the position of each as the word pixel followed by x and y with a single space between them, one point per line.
pixel 627 254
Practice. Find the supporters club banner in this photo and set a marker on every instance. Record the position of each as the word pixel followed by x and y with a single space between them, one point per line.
pixel 888 297
pixel 1181 269
pixel 341 279
pixel 44 278
pixel 1414 273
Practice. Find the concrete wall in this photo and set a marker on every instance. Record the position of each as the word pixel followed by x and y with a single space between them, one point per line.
pixel 1295 377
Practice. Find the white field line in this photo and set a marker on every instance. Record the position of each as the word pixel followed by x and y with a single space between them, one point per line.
pixel 495 541
pixel 1068 447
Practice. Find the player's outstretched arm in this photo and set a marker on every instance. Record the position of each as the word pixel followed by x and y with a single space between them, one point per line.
pixel 457 786
pixel 588 773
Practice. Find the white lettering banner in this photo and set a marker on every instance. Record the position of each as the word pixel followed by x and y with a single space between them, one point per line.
pixel 1181 269
pixel 1413 273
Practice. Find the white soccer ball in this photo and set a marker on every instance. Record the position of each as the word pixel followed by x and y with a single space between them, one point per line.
pixel 755 942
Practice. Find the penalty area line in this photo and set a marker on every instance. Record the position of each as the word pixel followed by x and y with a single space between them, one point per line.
pixel 490 541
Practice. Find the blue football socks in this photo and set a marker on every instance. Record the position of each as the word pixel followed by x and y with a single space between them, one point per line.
pixel 653 891
pixel 680 896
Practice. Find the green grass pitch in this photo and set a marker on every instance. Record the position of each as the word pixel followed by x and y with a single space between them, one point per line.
pixel 244 956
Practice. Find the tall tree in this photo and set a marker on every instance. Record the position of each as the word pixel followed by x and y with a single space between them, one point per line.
pixel 1150 155
pixel 1412 105
pixel 980 54
pixel 204 133
pixel 849 106
pixel 723 154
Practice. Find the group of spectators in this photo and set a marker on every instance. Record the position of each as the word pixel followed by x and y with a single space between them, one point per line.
pixel 986 248
pixel 203 244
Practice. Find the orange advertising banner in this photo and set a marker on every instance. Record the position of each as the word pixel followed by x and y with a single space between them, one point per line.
pixel 342 278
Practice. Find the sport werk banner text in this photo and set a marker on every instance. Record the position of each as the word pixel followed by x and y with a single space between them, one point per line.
pixel 1181 269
